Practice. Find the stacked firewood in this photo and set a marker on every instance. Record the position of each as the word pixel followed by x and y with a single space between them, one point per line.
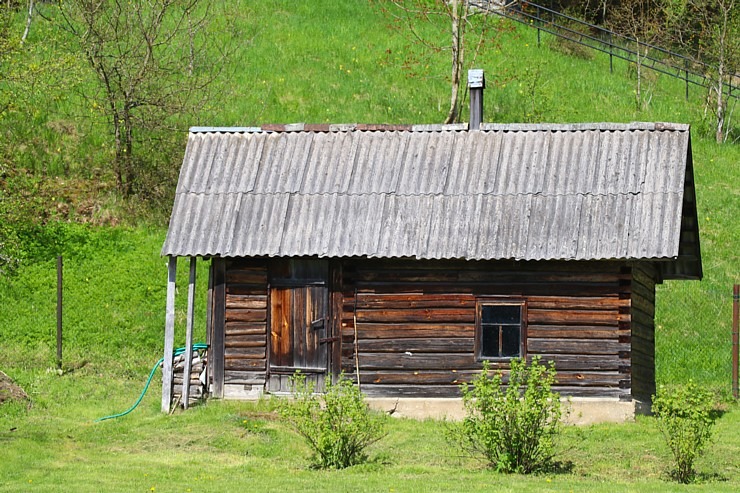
pixel 198 375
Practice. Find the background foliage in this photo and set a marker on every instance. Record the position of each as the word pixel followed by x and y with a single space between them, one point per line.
pixel 314 61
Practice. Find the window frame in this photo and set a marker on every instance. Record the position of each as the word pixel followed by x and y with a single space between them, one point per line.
pixel 481 302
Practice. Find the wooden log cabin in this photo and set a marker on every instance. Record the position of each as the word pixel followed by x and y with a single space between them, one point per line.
pixel 406 256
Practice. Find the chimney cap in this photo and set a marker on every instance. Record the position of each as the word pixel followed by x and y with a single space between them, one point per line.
pixel 476 78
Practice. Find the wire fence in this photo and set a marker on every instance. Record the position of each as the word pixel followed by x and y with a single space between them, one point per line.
pixel 544 19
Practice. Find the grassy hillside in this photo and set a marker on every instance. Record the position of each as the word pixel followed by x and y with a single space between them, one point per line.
pixel 334 62
pixel 310 61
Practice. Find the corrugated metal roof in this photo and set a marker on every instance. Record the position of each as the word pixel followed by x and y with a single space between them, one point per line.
pixel 529 192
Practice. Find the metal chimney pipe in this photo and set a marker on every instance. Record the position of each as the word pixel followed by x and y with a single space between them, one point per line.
pixel 476 84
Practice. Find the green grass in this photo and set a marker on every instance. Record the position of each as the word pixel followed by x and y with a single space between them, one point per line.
pixel 231 446
pixel 318 61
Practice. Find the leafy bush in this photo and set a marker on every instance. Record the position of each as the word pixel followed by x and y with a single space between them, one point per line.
pixel 512 427
pixel 685 416
pixel 337 425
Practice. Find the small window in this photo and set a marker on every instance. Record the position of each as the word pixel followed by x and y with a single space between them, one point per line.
pixel 499 330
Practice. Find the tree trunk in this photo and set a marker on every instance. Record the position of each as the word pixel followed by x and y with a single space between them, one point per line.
pixel 456 61
pixel 28 21
pixel 720 105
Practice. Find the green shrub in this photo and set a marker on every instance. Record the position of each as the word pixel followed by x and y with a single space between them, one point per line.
pixel 685 415
pixel 338 426
pixel 512 427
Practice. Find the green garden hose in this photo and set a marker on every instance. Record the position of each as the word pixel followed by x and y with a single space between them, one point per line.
pixel 177 352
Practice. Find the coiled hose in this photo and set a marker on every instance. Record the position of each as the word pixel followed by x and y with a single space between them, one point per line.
pixel 176 352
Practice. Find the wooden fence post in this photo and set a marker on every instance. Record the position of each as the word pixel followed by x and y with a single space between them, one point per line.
pixel 735 338
pixel 60 290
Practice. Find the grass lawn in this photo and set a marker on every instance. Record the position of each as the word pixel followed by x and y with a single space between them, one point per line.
pixel 233 446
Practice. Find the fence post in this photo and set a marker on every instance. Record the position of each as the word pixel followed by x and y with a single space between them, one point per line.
pixel 611 56
pixel 735 338
pixel 60 289
pixel 686 73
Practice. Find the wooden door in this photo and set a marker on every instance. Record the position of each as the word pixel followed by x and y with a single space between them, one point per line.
pixel 299 329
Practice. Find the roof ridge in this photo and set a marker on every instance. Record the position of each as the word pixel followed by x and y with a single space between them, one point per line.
pixel 454 127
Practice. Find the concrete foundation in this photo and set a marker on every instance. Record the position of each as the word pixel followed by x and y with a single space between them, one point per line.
pixel 582 411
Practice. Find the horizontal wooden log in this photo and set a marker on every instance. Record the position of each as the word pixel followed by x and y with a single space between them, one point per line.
pixel 438 315
pixel 195 382
pixel 239 315
pixel 246 301
pixel 585 362
pixel 414 345
pixel 643 277
pixel 409 330
pixel 441 361
pixel 575 317
pixel 455 275
pixel 245 328
pixel 576 331
pixel 409 301
pixel 419 377
pixel 576 302
pixel 241 364
pixel 430 391
pixel 252 339
pixel 439 391
pixel 502 289
pixel 642 322
pixel 643 360
pixel 576 346
pixel 417 361
pixel 254 276
pixel 244 377
pixel 245 342
pixel 644 305
pixel 640 291
pixel 454 377
pixel 245 352
pixel 246 289
pixel 643 332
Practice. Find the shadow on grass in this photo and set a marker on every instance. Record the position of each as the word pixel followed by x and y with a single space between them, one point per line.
pixel 561 467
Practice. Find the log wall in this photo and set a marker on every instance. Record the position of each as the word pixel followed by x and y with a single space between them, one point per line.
pixel 643 333
pixel 415 323
pixel 245 323
pixel 411 324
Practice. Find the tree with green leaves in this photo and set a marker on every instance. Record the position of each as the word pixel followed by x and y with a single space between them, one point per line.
pixel 153 63
pixel 638 20
pixel 465 26
pixel 709 32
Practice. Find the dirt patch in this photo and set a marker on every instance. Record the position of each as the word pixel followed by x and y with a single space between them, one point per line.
pixel 10 391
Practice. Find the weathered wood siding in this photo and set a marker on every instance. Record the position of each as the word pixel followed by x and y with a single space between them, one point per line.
pixel 643 332
pixel 245 322
pixel 415 323
pixel 411 324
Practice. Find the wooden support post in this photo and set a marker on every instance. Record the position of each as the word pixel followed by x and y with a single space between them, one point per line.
pixel 189 336
pixel 60 290
pixel 169 335
pixel 219 326
pixel 209 328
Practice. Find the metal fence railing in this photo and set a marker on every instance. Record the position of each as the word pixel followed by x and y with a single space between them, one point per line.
pixel 653 57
